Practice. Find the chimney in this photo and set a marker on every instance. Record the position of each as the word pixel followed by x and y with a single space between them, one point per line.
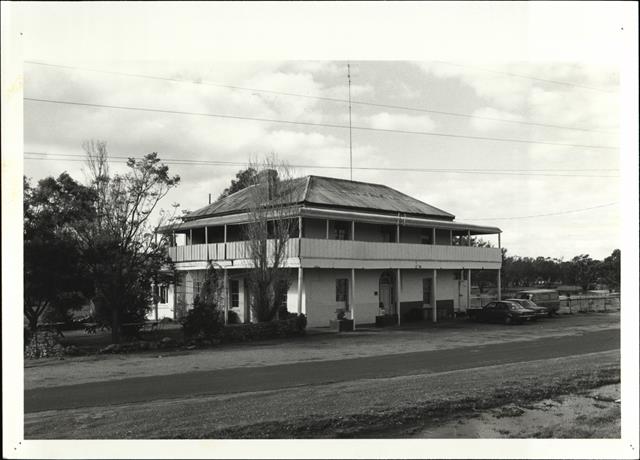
pixel 269 177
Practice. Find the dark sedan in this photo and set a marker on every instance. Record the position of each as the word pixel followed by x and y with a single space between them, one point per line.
pixel 530 305
pixel 505 311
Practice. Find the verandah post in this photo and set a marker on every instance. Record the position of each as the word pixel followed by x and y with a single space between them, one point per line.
pixel 353 297
pixel 300 281
pixel 434 308
pixel 398 284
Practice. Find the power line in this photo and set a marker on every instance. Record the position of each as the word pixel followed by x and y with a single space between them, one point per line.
pixel 194 162
pixel 322 98
pixel 571 211
pixel 528 77
pixel 305 123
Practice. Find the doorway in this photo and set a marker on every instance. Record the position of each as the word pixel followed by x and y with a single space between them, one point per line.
pixel 386 290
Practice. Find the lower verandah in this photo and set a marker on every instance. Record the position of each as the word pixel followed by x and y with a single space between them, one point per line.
pixel 326 290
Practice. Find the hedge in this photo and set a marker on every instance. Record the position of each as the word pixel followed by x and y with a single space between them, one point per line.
pixel 291 327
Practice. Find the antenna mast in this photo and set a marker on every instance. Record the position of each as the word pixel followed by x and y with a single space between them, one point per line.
pixel 350 145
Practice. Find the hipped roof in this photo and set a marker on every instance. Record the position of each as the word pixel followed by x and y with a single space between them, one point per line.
pixel 331 193
pixel 326 197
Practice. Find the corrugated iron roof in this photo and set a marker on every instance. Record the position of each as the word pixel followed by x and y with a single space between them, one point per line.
pixel 333 193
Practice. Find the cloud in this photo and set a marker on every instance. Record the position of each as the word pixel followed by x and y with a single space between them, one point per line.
pixel 486 119
pixel 400 121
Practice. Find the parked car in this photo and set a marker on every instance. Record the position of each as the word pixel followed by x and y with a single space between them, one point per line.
pixel 547 298
pixel 505 312
pixel 529 304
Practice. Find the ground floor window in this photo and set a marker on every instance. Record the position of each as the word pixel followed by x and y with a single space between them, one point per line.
pixel 163 294
pixel 342 291
pixel 235 293
pixel 282 293
pixel 426 290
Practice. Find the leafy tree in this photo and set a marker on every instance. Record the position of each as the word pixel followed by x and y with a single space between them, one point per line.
pixel 244 178
pixel 583 271
pixel 610 270
pixel 54 280
pixel 122 250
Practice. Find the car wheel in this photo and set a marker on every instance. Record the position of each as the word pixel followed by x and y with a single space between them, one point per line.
pixel 508 320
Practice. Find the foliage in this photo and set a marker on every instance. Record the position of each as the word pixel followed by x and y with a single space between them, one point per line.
pixel 54 280
pixel 233 317
pixel 205 320
pixel 43 344
pixel 581 270
pixel 122 251
pixel 290 327
pixel 244 178
pixel 271 224
pixel 610 270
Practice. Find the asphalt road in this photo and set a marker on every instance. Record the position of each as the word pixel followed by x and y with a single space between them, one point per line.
pixel 246 379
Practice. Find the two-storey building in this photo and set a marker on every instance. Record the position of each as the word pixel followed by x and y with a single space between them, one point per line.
pixel 363 247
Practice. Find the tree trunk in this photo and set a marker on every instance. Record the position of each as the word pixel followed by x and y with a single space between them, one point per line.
pixel 115 326
pixel 33 323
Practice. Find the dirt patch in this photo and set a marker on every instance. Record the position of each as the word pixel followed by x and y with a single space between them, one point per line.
pixel 566 416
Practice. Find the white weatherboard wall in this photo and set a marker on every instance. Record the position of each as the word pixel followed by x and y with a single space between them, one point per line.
pixel 320 295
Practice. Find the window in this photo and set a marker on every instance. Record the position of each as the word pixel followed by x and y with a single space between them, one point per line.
pixel 163 294
pixel 282 292
pixel 342 291
pixel 235 293
pixel 340 230
pixel 426 236
pixel 426 290
pixel 388 234
pixel 197 287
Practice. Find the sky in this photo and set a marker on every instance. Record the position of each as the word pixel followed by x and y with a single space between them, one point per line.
pixel 550 199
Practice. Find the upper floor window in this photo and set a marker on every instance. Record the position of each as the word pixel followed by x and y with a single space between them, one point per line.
pixel 388 234
pixel 426 236
pixel 340 230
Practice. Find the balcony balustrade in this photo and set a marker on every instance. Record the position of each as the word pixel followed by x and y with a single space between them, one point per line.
pixel 344 253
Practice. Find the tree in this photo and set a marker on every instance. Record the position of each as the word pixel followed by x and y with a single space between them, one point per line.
pixel 583 271
pixel 122 250
pixel 54 212
pixel 204 320
pixel 610 270
pixel 271 224
pixel 244 178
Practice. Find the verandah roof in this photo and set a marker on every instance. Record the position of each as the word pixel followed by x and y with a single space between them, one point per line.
pixel 336 214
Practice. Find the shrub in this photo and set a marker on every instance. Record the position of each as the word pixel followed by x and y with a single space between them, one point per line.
pixel 204 321
pixel 290 327
pixel 43 344
pixel 233 317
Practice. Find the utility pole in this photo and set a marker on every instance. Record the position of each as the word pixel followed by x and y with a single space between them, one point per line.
pixel 350 145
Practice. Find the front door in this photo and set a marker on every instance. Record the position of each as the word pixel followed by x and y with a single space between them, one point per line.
pixel 385 297
pixel 386 293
